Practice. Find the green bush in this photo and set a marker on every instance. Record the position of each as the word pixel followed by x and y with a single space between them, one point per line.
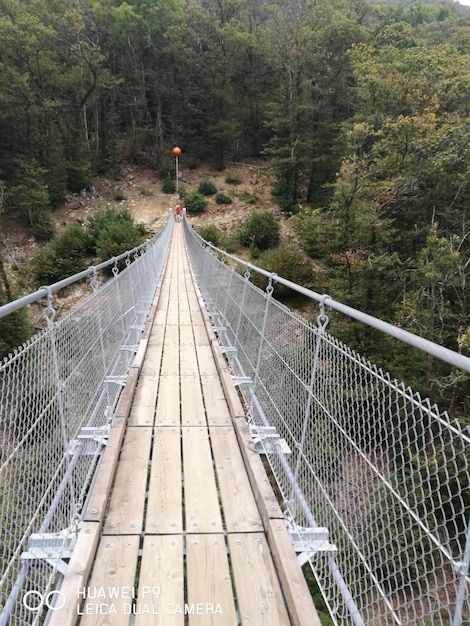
pixel 210 233
pixel 62 257
pixel 116 238
pixel 222 198
pixel 290 263
pixel 15 329
pixel 168 185
pixel 194 202
pixel 260 230
pixel 207 187
pixel 43 225
pixel 108 234
pixel 233 179
pixel 100 222
pixel 248 197
pixel 231 242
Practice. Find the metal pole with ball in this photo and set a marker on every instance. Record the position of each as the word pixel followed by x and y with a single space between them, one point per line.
pixel 177 152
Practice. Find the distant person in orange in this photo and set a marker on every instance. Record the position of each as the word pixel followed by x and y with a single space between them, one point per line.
pixel 178 213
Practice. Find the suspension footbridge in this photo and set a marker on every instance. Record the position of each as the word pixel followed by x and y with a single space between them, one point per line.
pixel 132 483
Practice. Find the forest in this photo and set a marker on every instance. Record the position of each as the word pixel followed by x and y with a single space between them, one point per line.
pixel 360 107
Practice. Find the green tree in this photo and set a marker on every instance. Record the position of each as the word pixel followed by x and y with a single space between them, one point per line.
pixel 49 71
pixel 261 230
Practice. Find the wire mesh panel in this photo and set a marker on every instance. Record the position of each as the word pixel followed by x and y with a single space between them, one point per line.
pixel 354 452
pixel 57 397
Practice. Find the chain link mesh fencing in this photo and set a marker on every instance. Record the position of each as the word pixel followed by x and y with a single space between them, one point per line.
pixel 58 394
pixel 373 478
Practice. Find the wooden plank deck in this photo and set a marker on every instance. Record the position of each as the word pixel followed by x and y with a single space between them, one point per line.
pixel 182 526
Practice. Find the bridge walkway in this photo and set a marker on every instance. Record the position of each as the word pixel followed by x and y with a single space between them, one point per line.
pixel 182 525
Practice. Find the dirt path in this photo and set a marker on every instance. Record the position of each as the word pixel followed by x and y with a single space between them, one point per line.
pixel 141 191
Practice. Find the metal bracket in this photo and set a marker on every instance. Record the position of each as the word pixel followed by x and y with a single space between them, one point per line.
pixel 460 568
pixel 267 440
pixel 311 543
pixel 91 438
pixel 241 380
pixel 219 329
pixel 225 349
pixel 119 380
pixel 52 548
pixel 129 347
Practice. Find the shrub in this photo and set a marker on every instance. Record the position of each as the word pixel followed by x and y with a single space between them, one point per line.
pixel 288 206
pixel 207 187
pixel 233 179
pixel 261 230
pixel 210 233
pixel 290 263
pixel 194 202
pixel 231 243
pixel 248 198
pixel 119 195
pixel 168 185
pixel 222 198
pixel 117 237
pixel 108 233
pixel 100 222
pixel 62 257
pixel 15 329
pixel 43 225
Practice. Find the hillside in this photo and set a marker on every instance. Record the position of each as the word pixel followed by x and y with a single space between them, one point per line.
pixel 140 189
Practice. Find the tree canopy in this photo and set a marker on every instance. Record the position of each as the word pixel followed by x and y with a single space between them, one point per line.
pixel 361 108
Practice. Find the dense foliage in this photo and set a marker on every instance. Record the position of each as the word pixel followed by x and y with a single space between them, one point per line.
pixel 107 234
pixel 362 108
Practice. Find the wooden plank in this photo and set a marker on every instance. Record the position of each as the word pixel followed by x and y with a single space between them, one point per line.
pixel 142 350
pixel 153 357
pixel 172 319
pixel 168 402
pixel 259 594
pixel 146 391
pixel 210 593
pixel 161 586
pixel 76 577
pixel 126 507
pixel 161 314
pixel 298 597
pixel 192 406
pixel 109 594
pixel 170 357
pixel 231 394
pixel 184 312
pixel 201 504
pixel 200 334
pixel 99 496
pixel 142 415
pixel 239 507
pixel 127 396
pixel 186 334
pixel 215 403
pixel 196 314
pixel 207 366
pixel 188 360
pixel 264 495
pixel 164 506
